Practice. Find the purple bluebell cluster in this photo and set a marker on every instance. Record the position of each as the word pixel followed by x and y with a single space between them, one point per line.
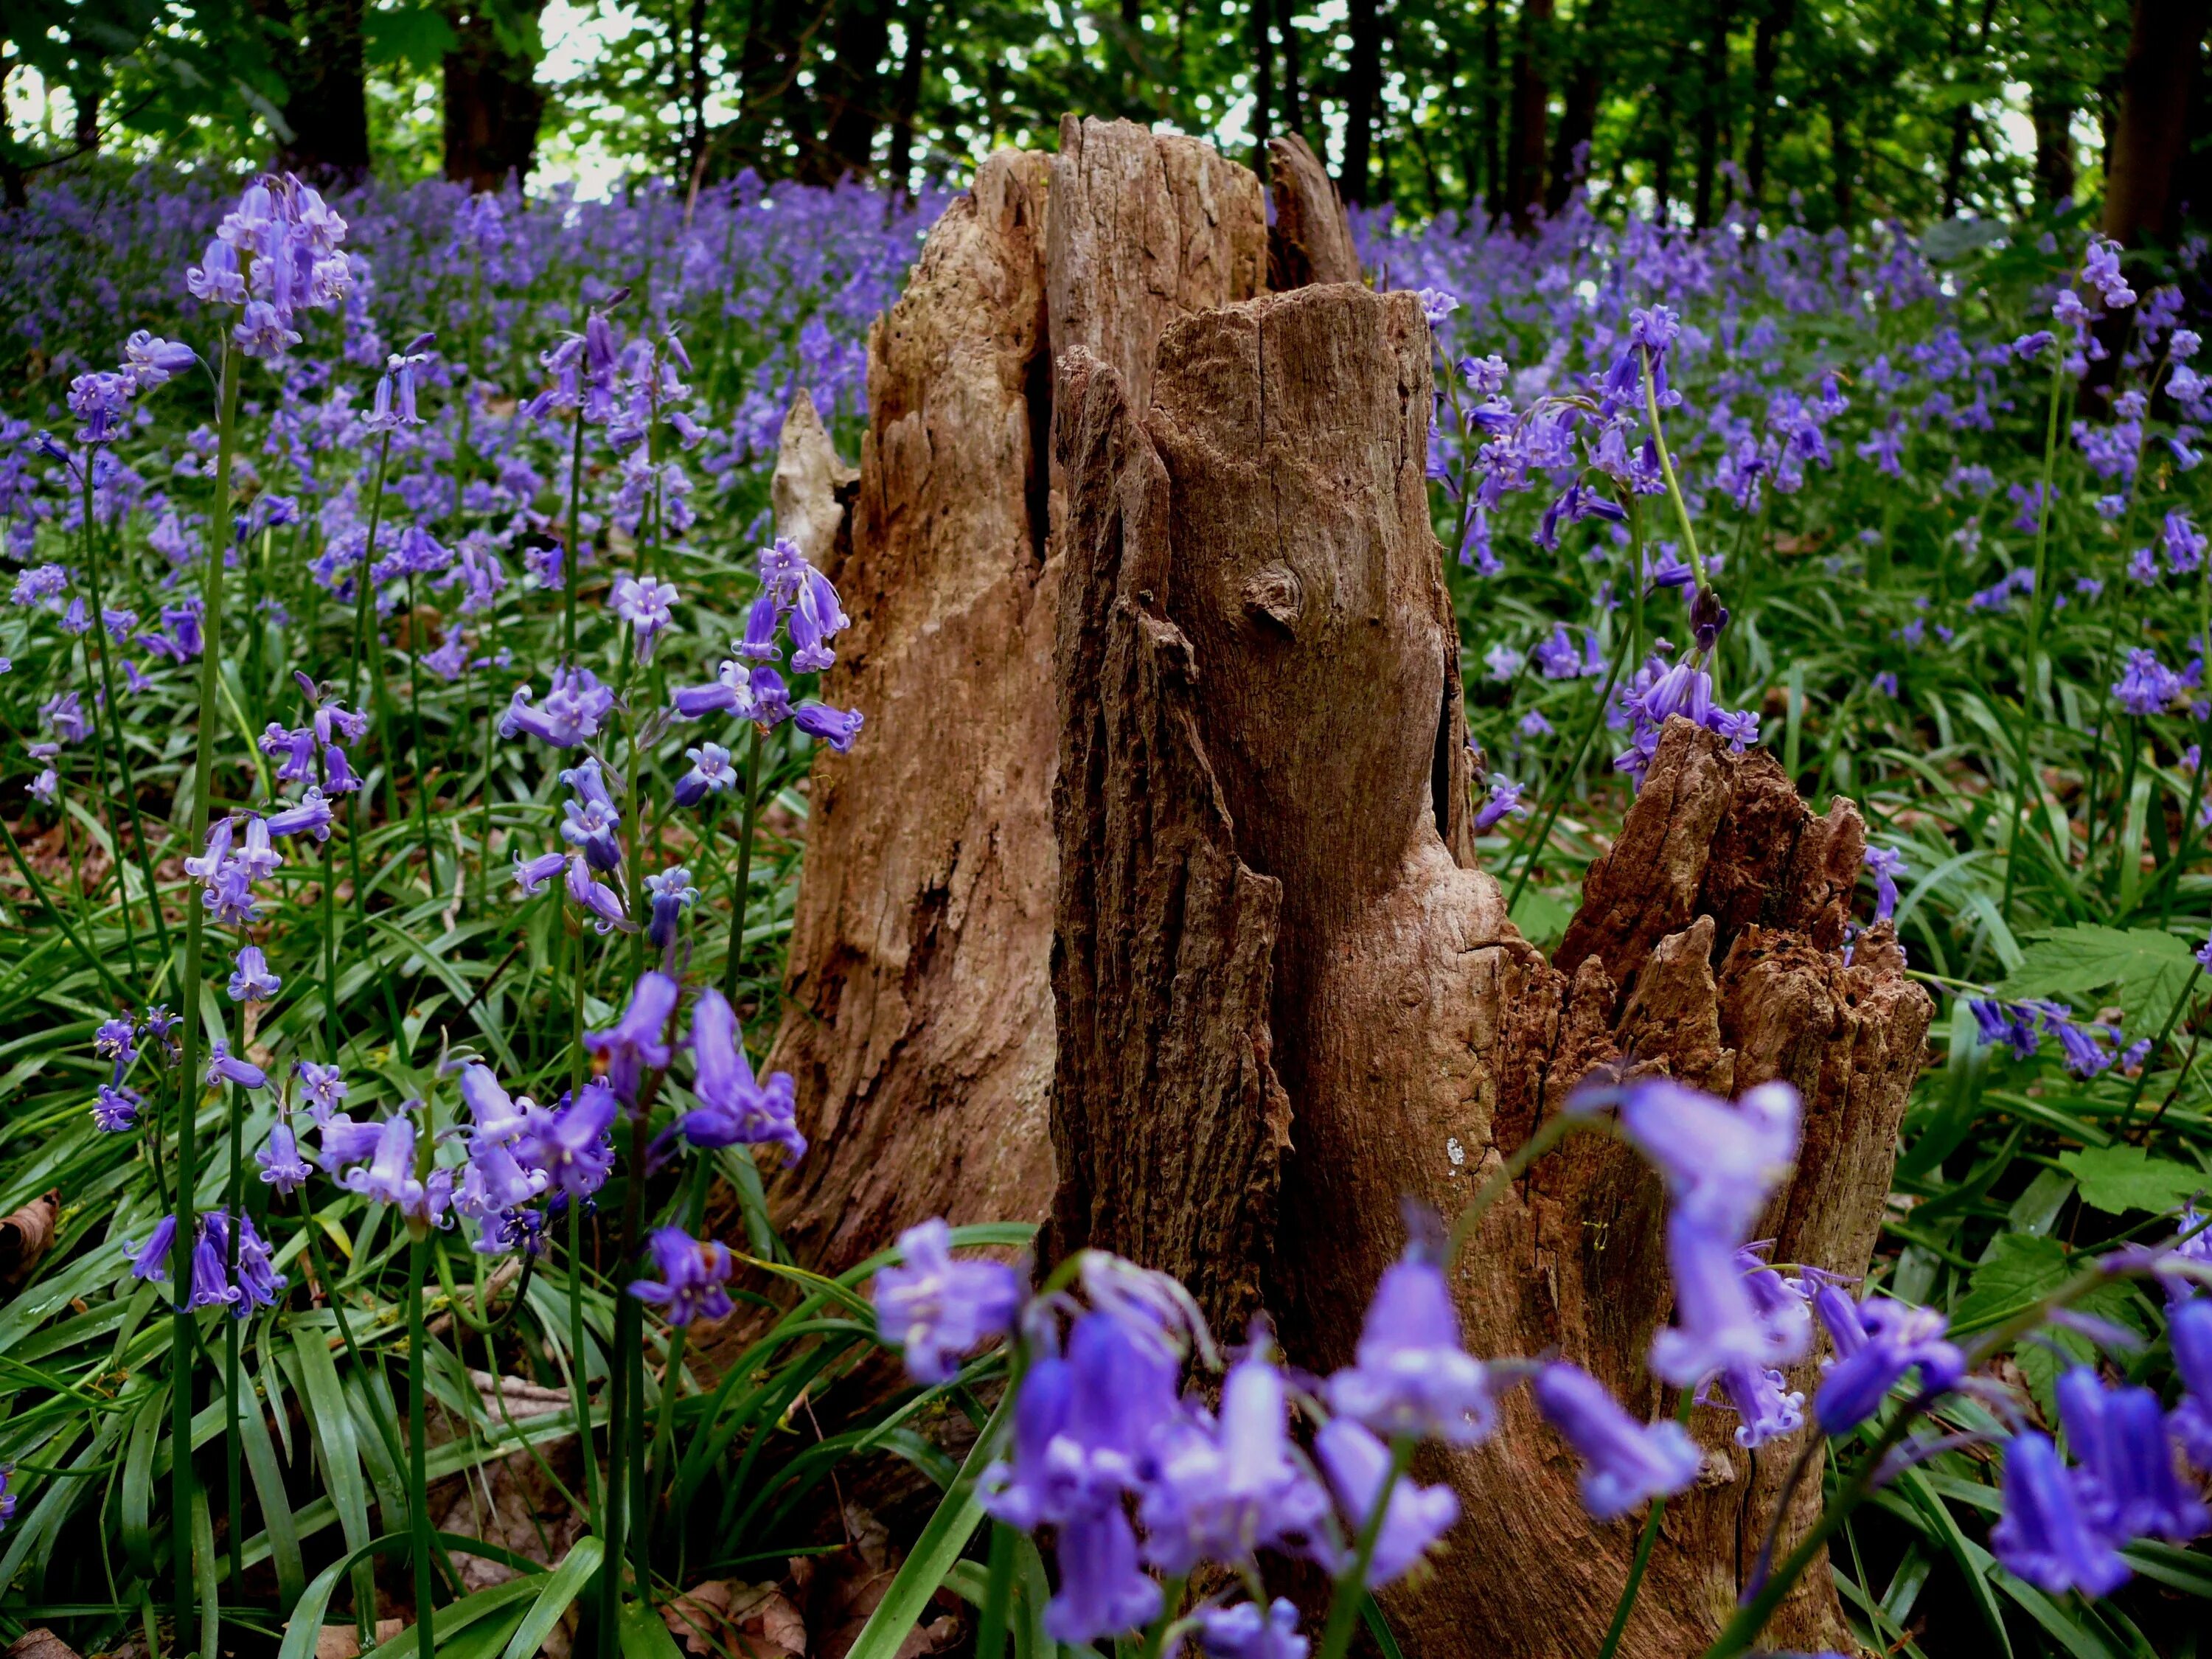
pixel 795 603
pixel 242 1283
pixel 2087 1049
pixel 936 1309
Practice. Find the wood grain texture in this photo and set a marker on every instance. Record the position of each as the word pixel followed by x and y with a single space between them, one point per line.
pixel 1275 580
pixel 1310 240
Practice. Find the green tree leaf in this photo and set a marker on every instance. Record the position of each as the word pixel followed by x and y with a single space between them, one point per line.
pixel 2020 1269
pixel 2118 1179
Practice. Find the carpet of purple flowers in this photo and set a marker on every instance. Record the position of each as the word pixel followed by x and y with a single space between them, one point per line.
pixel 402 679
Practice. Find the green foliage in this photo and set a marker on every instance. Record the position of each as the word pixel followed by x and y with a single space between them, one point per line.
pixel 2119 1179
pixel 2145 968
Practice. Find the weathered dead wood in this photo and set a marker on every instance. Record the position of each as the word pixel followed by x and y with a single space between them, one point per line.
pixel 918 1018
pixel 1255 628
pixel 1310 240
pixel 918 1015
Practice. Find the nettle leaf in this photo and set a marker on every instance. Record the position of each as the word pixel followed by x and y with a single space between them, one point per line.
pixel 2021 1269
pixel 2144 969
pixel 2118 1179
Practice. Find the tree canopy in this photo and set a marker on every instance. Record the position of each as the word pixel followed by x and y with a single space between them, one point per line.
pixel 1838 111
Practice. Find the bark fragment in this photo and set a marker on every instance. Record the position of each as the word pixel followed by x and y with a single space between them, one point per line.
pixel 1310 240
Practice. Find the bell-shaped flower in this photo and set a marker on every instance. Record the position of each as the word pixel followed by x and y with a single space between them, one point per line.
pixel 497 1119
pixel 1413 1518
pixel 116 1108
pixel 282 1166
pixel 637 1042
pixel 733 1109
pixel 2127 1483
pixel 692 1274
pixel 1876 1343
pixel 569 715
pixel 249 979
pixel 571 1143
pixel 1221 1491
pixel 2043 1536
pixel 711 773
pixel 934 1308
pixel 1102 1591
pixel 1412 1377
pixel 1243 1632
pixel 837 727
pixel 389 1175
pixel 1720 1161
pixel 323 1087
pixel 1717 1323
pixel 313 815
pixel 211 1285
pixel 1623 1462
pixel 222 1068
pixel 150 1260
pixel 604 905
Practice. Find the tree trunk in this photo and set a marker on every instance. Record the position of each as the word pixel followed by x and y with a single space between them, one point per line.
pixel 918 1015
pixel 2053 119
pixel 2147 148
pixel 1712 100
pixel 1774 20
pixel 1263 81
pixel 1294 96
pixel 318 57
pixel 1493 166
pixel 906 99
pixel 1363 86
pixel 1286 1000
pixel 493 104
pixel 1524 160
pixel 1310 240
pixel 850 91
pixel 1578 117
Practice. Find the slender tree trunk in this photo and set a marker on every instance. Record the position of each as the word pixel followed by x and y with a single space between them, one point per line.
pixel 1845 156
pixel 1294 106
pixel 1578 119
pixel 492 104
pixel 906 97
pixel 317 53
pixel 1775 18
pixel 850 92
pixel 1493 184
pixel 1363 85
pixel 2054 148
pixel 1524 161
pixel 1712 102
pixel 2163 49
pixel 1263 81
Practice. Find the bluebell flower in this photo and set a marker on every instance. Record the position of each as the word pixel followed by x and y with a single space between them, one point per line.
pixel 323 1086
pixel 2145 685
pixel 389 1175
pixel 222 1069
pixel 836 726
pixel 762 617
pixel 1103 1592
pixel 211 1285
pixel 1876 1343
pixel 1082 1425
pixel 646 604
pixel 1720 1161
pixel 496 1118
pixel 2189 1328
pixel 342 1141
pixel 673 894
pixel 1504 797
pixel 1887 865
pixel 1762 1397
pixel 1436 304
pixel 733 1109
pixel 313 815
pixel 637 1042
pixel 730 692
pixel 936 1309
pixel 608 912
pixel 570 714
pixel 1358 1465
pixel 282 1166
pixel 2126 1484
pixel 1624 1462
pixel 1243 1632
pixel 256 1281
pixel 7 1497
pixel 1410 1377
pixel 116 1108
pixel 1222 1491
pixel 1719 1323
pixel 150 361
pixel 711 773
pixel 150 1260
pixel 113 1040
pixel 533 874
pixel 589 822
pixel 251 980
pixel 692 1274
pixel 816 617
pixel 571 1144
pixel 2006 1022
pixel 2043 1536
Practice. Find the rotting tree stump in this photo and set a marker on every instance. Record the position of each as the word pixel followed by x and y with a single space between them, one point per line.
pixel 1146 903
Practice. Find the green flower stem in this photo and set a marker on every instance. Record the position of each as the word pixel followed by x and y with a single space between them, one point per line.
pixel 579 1385
pixel 233 1443
pixel 184 1324
pixel 1155 1635
pixel 741 887
pixel 1667 470
pixel 97 639
pixel 418 1451
pixel 364 602
pixel 1646 1541
pixel 415 740
pixel 571 556
pixel 1352 1584
pixel 998 1593
pixel 2038 602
